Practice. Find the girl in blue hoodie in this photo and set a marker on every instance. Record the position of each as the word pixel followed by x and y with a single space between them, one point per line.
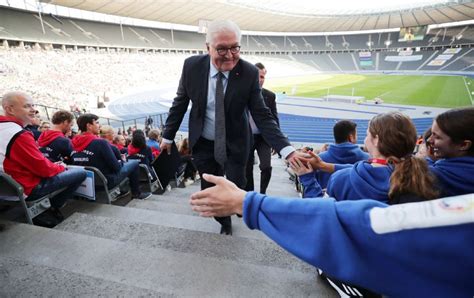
pixel 392 174
pixel 452 140
pixel 419 249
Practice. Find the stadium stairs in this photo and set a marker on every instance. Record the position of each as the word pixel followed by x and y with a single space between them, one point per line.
pixel 157 247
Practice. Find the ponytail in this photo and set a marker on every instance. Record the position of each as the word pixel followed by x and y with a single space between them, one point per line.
pixel 411 176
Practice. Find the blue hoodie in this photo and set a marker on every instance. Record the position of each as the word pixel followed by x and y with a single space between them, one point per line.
pixel 360 181
pixel 409 250
pixel 343 153
pixel 352 182
pixel 455 175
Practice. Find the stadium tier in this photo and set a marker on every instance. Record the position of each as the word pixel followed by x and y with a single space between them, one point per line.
pixel 121 58
pixel 16 25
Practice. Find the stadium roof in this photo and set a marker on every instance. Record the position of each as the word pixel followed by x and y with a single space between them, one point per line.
pixel 285 16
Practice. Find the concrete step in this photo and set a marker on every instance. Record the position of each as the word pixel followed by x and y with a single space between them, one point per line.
pixel 185 209
pixel 156 269
pixel 184 192
pixel 167 219
pixel 164 206
pixel 251 251
pixel 21 278
pixel 171 197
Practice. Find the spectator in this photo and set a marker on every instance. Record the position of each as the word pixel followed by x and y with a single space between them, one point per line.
pixel 53 143
pixel 120 142
pixel 149 122
pixel 34 126
pixel 187 160
pixel 90 150
pixel 452 140
pixel 424 149
pixel 45 125
pixel 392 175
pixel 154 142
pixel 107 132
pixel 138 149
pixel 345 151
pixel 21 159
pixel 416 250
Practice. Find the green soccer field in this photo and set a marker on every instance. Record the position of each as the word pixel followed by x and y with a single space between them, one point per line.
pixel 423 90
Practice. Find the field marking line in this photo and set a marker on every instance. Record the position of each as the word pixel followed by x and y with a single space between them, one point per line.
pixel 468 91
pixel 385 93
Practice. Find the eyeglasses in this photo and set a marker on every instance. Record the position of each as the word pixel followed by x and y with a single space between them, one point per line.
pixel 223 51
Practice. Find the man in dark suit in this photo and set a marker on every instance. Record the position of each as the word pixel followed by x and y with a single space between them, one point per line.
pixel 264 150
pixel 222 88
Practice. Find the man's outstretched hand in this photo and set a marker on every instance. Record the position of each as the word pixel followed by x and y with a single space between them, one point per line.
pixel 223 199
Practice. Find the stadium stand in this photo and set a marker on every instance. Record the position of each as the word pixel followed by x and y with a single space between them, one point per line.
pixel 159 247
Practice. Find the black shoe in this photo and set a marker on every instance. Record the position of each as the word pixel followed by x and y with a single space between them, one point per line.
pixel 48 219
pixel 56 213
pixel 226 230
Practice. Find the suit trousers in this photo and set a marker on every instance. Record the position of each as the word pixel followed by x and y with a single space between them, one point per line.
pixel 264 152
pixel 203 156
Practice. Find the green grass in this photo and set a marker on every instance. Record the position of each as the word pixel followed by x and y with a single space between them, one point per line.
pixel 434 91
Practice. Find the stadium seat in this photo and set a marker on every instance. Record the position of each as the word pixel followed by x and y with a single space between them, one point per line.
pixel 103 194
pixel 146 178
pixel 12 192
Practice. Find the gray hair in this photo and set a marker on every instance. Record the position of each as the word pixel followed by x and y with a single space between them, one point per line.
pixel 11 97
pixel 222 26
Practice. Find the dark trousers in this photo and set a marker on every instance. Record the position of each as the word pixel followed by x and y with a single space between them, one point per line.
pixel 264 152
pixel 131 170
pixel 203 156
pixel 71 178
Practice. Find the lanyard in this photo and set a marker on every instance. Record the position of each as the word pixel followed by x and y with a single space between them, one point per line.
pixel 378 160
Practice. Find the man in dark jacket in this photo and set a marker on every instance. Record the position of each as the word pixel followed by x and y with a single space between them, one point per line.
pixel 264 150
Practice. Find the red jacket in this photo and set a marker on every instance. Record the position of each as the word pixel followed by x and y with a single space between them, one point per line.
pixel 20 156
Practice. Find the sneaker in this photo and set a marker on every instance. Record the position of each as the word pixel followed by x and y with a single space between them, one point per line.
pixel 122 194
pixel 188 182
pixel 142 196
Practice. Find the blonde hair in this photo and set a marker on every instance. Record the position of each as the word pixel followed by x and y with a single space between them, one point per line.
pixel 106 129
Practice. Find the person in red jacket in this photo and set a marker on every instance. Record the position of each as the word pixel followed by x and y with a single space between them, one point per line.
pixel 23 161
pixel 53 143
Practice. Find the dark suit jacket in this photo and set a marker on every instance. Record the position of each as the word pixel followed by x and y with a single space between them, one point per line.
pixel 270 101
pixel 242 93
